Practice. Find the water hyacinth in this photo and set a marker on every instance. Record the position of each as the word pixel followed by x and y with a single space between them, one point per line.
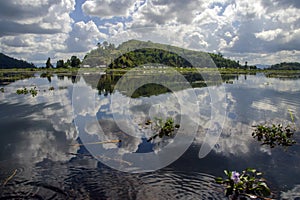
pixel 247 184
pixel 235 176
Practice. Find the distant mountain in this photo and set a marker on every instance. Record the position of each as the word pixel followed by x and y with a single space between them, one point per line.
pixel 135 53
pixel 286 66
pixel 262 66
pixel 7 62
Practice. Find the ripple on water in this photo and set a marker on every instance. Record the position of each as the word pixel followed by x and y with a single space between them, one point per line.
pixel 179 185
pixel 164 184
pixel 68 181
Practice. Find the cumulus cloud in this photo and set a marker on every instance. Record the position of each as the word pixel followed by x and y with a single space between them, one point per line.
pixel 84 37
pixel 108 8
pixel 35 30
pixel 40 17
pixel 244 30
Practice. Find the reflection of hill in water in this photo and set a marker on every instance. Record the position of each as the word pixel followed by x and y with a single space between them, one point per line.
pixel 106 83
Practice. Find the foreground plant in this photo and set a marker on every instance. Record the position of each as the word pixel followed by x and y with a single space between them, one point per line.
pixel 275 135
pixel 247 184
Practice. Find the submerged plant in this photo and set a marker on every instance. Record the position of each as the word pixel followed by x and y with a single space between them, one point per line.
pixel 166 128
pixel 2 90
pixel 247 184
pixel 275 135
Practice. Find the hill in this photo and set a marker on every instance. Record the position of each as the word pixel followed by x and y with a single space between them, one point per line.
pixel 286 66
pixel 7 62
pixel 135 53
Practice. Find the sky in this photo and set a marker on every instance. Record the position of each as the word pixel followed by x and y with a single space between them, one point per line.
pixel 256 31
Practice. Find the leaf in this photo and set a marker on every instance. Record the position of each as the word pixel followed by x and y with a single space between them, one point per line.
pixel 265 189
pixel 219 180
pixel 251 170
pixel 227 172
pixel 258 173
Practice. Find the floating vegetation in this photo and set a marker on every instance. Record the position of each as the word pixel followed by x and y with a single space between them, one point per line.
pixel 247 184
pixel 32 91
pixel 166 128
pixel 275 135
pixel 2 90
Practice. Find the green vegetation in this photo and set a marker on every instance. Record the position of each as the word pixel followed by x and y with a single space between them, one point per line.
pixel 10 75
pixel 7 62
pixel 274 135
pixel 25 91
pixel 33 91
pixel 2 90
pixel 247 184
pixel 143 56
pixel 163 129
pixel 73 62
pixel 48 64
pixel 286 66
pixel 135 53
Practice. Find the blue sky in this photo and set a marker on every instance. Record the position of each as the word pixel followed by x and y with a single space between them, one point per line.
pixel 257 31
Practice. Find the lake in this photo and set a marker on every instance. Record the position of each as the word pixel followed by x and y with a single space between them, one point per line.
pixel 49 149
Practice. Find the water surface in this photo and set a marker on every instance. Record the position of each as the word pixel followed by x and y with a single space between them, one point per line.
pixel 38 136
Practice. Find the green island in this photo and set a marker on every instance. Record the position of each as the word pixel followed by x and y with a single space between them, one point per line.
pixel 135 53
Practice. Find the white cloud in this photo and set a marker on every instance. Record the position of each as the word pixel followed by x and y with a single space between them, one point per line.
pixel 108 8
pixel 83 37
pixel 35 30
pixel 269 35
pixel 237 28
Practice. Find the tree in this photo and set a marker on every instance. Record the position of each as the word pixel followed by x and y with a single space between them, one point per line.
pixel 48 63
pixel 68 63
pixel 60 64
pixel 75 62
pixel 246 65
pixel 105 44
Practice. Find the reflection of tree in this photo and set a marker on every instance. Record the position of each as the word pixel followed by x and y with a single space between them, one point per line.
pixel 74 79
pixel 148 90
pixel 106 83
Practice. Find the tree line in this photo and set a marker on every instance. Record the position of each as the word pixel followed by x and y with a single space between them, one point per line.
pixel 73 62
pixel 286 66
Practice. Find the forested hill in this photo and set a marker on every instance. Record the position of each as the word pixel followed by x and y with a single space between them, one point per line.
pixel 8 62
pixel 135 53
pixel 286 66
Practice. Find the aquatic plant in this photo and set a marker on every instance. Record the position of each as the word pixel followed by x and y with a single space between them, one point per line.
pixel 247 184
pixel 32 91
pixel 22 91
pixel 162 129
pixel 275 135
pixel 2 90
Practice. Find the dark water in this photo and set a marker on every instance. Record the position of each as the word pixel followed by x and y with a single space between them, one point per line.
pixel 38 158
